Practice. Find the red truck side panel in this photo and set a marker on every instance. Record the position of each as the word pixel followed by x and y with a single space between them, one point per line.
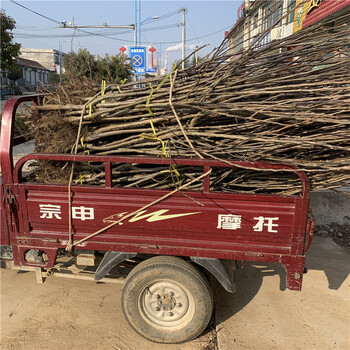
pixel 237 226
pixel 175 221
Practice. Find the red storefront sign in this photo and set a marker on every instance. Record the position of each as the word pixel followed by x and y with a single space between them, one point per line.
pixel 319 9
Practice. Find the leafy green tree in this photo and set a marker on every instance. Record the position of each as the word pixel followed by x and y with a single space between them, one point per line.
pixel 83 64
pixel 54 78
pixel 9 50
pixel 78 65
pixel 15 73
pixel 112 69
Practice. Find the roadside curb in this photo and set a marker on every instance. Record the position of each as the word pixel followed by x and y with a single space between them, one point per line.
pixel 330 207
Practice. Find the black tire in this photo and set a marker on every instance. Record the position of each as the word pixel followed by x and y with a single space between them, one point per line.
pixel 167 300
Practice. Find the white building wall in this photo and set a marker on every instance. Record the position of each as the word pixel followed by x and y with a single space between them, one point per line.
pixel 260 19
pixel 46 57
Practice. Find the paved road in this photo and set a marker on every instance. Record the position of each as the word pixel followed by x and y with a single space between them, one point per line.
pixel 3 101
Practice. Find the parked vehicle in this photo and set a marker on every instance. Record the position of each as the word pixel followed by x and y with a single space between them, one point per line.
pixel 180 239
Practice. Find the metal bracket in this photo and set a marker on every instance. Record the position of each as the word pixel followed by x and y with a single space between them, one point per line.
pixel 6 252
pixel 9 197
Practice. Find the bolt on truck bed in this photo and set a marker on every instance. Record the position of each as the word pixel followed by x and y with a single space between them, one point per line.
pixel 204 224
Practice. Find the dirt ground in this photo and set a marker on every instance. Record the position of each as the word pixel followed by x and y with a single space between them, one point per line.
pixel 264 315
pixel 69 314
pixel 81 315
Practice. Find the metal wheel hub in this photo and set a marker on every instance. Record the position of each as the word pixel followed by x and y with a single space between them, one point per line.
pixel 166 301
pixel 166 304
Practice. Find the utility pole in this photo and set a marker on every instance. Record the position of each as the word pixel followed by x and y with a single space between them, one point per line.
pixel 183 10
pixel 137 38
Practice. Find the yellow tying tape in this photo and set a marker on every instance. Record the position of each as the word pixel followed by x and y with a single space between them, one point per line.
pixel 154 136
pixel 103 89
pixel 150 95
pixel 152 126
pixel 90 110
pixel 87 151
pixel 122 82
pixel 80 179
pixel 175 171
pixel 149 99
pixel 89 163
pixel 177 174
pixel 82 142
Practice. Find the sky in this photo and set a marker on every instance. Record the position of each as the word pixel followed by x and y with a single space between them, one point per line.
pixel 206 22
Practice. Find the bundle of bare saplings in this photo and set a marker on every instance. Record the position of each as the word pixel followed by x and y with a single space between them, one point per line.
pixel 287 102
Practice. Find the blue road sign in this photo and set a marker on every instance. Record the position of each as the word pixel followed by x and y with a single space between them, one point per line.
pixel 151 70
pixel 138 59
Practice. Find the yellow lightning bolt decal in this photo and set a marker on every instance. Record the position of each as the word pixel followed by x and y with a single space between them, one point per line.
pixel 151 217
pixel 157 216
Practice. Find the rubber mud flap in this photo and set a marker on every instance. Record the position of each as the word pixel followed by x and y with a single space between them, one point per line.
pixel 110 260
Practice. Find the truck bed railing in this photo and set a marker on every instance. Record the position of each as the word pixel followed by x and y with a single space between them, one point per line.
pixel 206 164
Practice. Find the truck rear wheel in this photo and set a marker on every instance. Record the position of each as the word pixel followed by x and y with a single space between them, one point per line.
pixel 166 300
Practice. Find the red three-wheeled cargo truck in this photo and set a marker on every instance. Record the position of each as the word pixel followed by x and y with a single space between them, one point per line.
pixel 178 240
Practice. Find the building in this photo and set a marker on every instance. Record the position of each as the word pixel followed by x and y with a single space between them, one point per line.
pixel 255 18
pixel 32 75
pixel 35 66
pixel 49 58
pixel 317 10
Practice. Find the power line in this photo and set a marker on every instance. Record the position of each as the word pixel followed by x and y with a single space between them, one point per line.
pixel 205 36
pixel 18 31
pixel 175 25
pixel 87 33
pixel 194 32
pixel 35 27
pixel 117 39
pixel 167 15
pixel 37 13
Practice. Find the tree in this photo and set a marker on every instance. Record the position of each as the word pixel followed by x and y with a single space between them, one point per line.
pixel 14 73
pixel 83 64
pixel 54 78
pixel 79 65
pixel 112 69
pixel 9 50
